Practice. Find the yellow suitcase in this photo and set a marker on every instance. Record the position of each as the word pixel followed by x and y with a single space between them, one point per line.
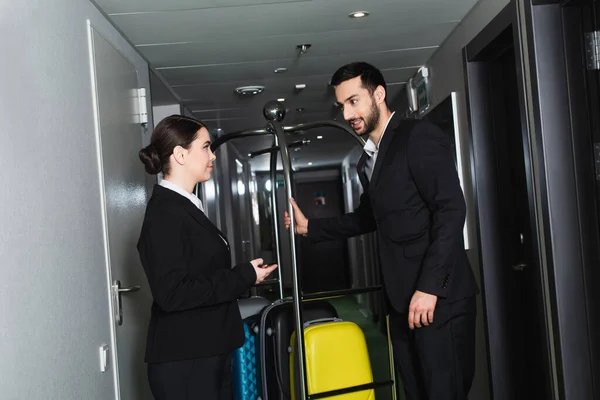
pixel 336 358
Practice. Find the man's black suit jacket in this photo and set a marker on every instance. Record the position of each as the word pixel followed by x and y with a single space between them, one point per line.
pixel 188 265
pixel 415 203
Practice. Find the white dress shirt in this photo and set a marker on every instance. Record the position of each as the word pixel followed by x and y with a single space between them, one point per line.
pixel 176 188
pixel 372 149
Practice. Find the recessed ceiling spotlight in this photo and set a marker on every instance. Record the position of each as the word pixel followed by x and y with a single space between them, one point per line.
pixel 309 163
pixel 319 137
pixel 249 90
pixel 280 70
pixel 300 109
pixel 281 99
pixel 359 14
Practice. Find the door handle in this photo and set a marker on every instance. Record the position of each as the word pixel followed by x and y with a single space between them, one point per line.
pixel 519 267
pixel 117 290
pixel 133 288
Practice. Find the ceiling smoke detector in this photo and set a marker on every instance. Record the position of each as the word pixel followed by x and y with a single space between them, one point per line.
pixel 303 47
pixel 249 90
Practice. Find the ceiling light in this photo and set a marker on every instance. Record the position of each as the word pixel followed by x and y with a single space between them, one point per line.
pixel 300 86
pixel 281 99
pixel 359 14
pixel 300 109
pixel 319 137
pixel 280 70
pixel 249 90
pixel 309 163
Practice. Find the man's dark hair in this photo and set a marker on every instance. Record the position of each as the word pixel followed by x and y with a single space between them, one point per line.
pixel 370 77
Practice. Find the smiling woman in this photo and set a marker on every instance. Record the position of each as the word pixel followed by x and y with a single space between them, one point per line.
pixel 188 265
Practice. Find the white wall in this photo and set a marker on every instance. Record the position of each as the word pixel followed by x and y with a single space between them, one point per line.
pixel 447 75
pixel 53 292
pixel 162 112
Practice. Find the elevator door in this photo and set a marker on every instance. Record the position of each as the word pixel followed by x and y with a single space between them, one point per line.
pixel 512 292
pixel 523 313
pixel 581 20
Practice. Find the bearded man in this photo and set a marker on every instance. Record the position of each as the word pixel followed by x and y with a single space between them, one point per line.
pixel 412 198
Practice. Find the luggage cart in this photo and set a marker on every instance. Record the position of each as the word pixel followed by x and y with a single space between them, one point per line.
pixel 274 112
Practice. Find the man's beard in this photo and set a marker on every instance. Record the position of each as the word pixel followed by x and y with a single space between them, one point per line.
pixel 371 120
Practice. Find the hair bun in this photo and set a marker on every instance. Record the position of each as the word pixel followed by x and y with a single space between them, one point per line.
pixel 151 159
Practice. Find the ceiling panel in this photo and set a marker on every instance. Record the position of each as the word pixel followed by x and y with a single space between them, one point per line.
pixel 252 72
pixel 204 49
pixel 276 87
pixel 284 47
pixel 315 109
pixel 231 23
pixel 253 120
pixel 216 113
pixel 138 6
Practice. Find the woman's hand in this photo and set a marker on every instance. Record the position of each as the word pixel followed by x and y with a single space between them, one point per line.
pixel 262 271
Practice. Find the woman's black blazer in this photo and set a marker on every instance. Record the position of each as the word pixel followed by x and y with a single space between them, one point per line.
pixel 188 265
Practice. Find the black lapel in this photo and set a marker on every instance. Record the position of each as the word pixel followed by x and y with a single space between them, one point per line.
pixel 191 209
pixel 384 146
pixel 202 219
pixel 362 175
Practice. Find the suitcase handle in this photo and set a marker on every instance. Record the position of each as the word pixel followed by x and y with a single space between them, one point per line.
pixel 321 321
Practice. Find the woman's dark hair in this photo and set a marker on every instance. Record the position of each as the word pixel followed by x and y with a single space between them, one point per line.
pixel 370 77
pixel 173 131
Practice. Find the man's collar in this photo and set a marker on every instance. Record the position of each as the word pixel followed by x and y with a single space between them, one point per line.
pixel 370 147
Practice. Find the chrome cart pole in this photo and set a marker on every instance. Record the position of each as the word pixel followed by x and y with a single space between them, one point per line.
pixel 275 213
pixel 361 142
pixel 261 132
pixel 391 357
pixel 274 112
pixel 297 294
pixel 236 135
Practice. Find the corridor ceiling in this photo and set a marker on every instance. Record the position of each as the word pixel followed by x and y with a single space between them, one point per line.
pixel 205 49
